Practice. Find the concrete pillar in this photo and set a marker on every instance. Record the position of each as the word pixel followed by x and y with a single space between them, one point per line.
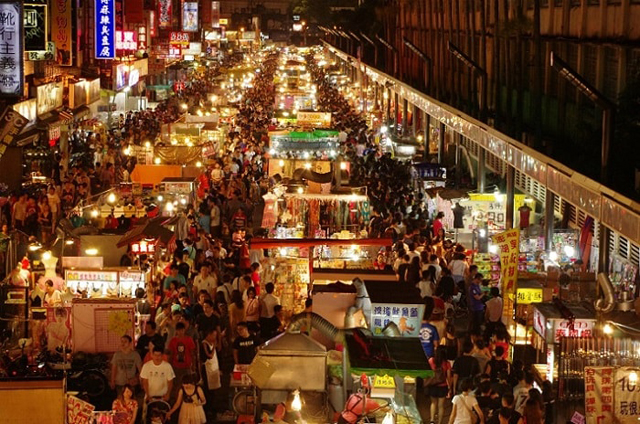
pixel 603 248
pixel 548 219
pixel 426 122
pixel 441 143
pixel 480 172
pixel 511 177
pixel 405 115
pixel 388 106
pixel 396 109
pixel 458 162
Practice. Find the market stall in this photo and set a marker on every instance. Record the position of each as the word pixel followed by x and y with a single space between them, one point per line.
pixel 552 322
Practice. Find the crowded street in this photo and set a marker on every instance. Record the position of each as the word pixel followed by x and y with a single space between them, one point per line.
pixel 278 239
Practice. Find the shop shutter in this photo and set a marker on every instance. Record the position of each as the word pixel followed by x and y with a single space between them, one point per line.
pixel 634 254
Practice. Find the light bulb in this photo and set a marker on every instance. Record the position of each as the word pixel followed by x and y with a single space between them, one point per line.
pixel 607 329
pixel 198 164
pixel 169 207
pixel 296 404
pixel 300 190
pixel 343 165
pixel 157 161
pixel 111 198
pixel 91 252
pixel 160 198
pixel 569 251
pixel 46 255
pixel 94 213
pixel 281 163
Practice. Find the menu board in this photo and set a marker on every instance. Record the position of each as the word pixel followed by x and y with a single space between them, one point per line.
pixel 408 318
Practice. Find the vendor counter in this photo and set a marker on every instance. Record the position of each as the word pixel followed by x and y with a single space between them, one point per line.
pixel 26 401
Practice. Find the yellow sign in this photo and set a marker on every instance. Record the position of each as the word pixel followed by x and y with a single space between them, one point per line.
pixel 508 243
pixel 223 21
pixel 526 296
pixel 315 118
pixel 384 382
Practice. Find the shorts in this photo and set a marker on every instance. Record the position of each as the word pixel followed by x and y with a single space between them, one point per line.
pixel 437 391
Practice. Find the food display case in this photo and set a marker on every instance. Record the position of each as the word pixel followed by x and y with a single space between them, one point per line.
pixel 104 283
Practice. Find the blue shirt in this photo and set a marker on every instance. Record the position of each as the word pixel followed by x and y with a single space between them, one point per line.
pixel 428 336
pixel 475 304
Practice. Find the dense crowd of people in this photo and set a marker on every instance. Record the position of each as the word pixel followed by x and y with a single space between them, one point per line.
pixel 212 302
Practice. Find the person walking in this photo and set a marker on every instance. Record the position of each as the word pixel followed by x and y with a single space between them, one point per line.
pixel 476 307
pixel 465 405
pixel 441 387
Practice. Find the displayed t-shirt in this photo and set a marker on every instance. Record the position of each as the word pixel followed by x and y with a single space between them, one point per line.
pixel 158 376
pixel 464 408
pixel 428 336
pixel 246 347
pixel 182 349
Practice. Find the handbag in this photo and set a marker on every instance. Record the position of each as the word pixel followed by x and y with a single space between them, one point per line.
pixel 472 412
pixel 212 369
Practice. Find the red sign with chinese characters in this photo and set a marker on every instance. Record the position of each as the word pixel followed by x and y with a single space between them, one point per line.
pixel 598 394
pixel 126 40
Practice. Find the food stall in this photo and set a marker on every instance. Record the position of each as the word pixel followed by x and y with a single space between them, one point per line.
pixel 108 282
pixel 289 265
pixel 551 323
pixel 407 361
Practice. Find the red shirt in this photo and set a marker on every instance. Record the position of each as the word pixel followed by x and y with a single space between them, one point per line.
pixel 182 349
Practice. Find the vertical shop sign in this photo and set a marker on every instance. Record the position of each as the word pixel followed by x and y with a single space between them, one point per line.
pixel 61 30
pixel 152 23
pixel 626 397
pixel 35 27
pixel 190 16
pixel 508 243
pixel 119 14
pixel 105 29
pixel 598 394
pixel 11 66
pixel 215 14
pixel 164 13
pixel 206 11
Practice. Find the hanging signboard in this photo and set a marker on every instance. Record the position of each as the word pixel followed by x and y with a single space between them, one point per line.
pixel 508 243
pixel 179 39
pixel 598 394
pixel 164 13
pixel 126 40
pixel 27 109
pixel 12 68
pixel 105 29
pixel 152 23
pixel 215 14
pixel 119 14
pixel 49 97
pixel 408 318
pixel 11 124
pixel 35 27
pixel 190 16
pixel 48 54
pixel 93 91
pixel 77 94
pixel 61 30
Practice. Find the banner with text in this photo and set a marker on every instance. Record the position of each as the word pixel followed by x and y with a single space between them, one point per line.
pixel 164 13
pixel 61 30
pixel 12 66
pixel 11 124
pixel 35 27
pixel 508 243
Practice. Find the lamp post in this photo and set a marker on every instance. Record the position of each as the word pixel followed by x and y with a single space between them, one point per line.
pixel 471 64
pixel 599 99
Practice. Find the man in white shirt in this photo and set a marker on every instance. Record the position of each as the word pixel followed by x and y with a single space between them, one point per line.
pixel 226 288
pixel 157 376
pixel 269 301
pixel 205 281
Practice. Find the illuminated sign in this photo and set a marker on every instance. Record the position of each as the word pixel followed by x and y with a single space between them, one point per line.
pixel 152 23
pixel 223 21
pixel 49 97
pixel 105 29
pixel 35 27
pixel 580 328
pixel 179 39
pixel 11 49
pixel 61 30
pixel 164 13
pixel 126 40
pixel 134 77
pixel 190 16
pixel 529 295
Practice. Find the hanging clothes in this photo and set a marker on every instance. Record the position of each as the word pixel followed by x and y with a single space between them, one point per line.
pixel 270 214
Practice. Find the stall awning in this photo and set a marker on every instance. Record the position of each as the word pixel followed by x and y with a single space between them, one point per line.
pixel 81 112
pixel 28 137
pixel 66 117
pixel 269 243
pixel 321 274
pixel 151 229
pixel 401 356
pixel 48 120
